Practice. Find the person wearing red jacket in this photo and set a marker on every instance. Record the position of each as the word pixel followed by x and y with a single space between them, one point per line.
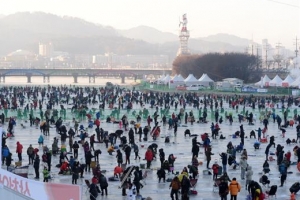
pixel 149 157
pixel 215 169
pixel 19 151
pixel 288 156
pixel 97 122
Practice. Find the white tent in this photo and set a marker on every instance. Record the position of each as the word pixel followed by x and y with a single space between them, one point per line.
pixel 276 81
pixel 287 81
pixel 296 83
pixel 161 78
pixel 177 80
pixel 191 80
pixel 205 80
pixel 167 79
pixel 264 81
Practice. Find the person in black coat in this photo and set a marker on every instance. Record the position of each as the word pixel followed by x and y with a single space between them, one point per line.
pixel 49 157
pixel 75 147
pixel 94 190
pixel 127 150
pixel 252 187
pixel 161 156
pixel 195 150
pixel 272 141
pixel 223 189
pixel 224 161
pixel 295 188
pixel 75 173
pixel 161 174
pixel 136 180
pixel 242 134
pixel 88 160
pixel 36 166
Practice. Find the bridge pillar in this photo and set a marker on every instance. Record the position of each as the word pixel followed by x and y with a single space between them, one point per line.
pixel 92 79
pixel 2 79
pixel 28 78
pixel 75 78
pixel 122 78
pixel 46 79
pixel 135 77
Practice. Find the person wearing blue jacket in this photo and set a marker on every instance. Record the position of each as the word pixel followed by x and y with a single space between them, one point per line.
pixel 283 172
pixel 5 153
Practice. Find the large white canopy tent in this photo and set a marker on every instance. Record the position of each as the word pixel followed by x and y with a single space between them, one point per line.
pixel 287 81
pixel 264 81
pixel 276 81
pixel 191 80
pixel 177 80
pixel 205 80
pixel 167 79
pixel 296 83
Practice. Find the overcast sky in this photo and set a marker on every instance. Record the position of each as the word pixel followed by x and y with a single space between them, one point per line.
pixel 275 20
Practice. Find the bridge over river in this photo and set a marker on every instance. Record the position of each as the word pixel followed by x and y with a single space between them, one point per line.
pixel 92 73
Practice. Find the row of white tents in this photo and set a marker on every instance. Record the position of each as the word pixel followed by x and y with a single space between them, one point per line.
pixel 190 80
pixel 278 82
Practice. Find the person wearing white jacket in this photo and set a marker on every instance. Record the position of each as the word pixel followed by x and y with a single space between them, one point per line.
pixel 243 165
pixel 249 174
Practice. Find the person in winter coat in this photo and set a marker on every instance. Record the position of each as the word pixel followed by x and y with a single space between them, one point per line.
pixel 161 174
pixel 46 174
pixel 5 153
pixel 193 170
pixel 88 159
pixel 234 188
pixel 175 186
pixel 136 151
pixel 8 160
pixel 41 140
pixel 295 188
pixel 223 189
pixel 75 147
pixel 36 166
pixel 259 131
pixel 249 174
pixel 103 184
pixel 137 179
pixel 185 187
pixel 75 173
pixel 252 187
pixel 127 150
pixel 119 157
pixel 30 153
pixel 243 164
pixel 19 151
pixel 149 157
pixel 208 154
pixel 224 160
pixel 215 169
pixel 94 190
pixel 171 160
pixel 283 172
pixel 161 156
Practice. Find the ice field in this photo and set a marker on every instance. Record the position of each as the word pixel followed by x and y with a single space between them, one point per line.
pixel 180 146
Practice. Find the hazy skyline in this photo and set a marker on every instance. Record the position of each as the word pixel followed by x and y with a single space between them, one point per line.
pixel 277 21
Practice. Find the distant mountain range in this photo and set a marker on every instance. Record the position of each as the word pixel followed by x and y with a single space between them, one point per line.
pixel 25 30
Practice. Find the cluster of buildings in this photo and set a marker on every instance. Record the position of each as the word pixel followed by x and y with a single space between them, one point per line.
pixel 48 58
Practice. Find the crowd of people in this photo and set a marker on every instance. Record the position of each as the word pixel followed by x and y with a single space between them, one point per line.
pixel 156 113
